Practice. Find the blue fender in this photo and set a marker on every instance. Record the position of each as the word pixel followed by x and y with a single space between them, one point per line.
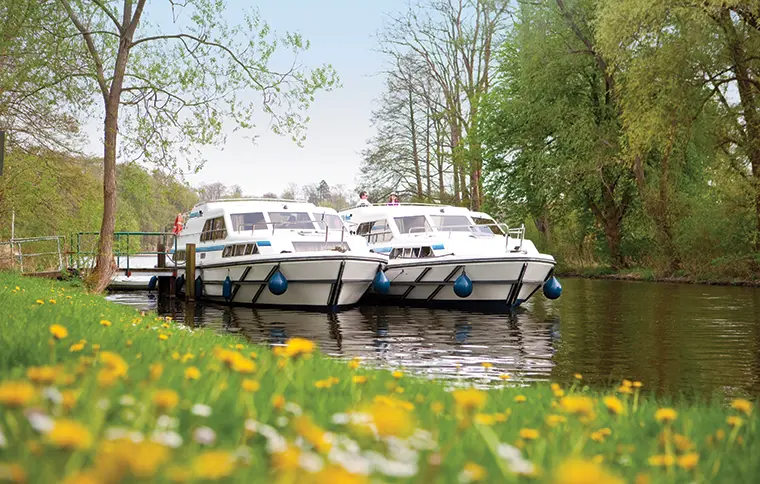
pixel 152 283
pixel 381 284
pixel 552 288
pixel 198 287
pixel 463 285
pixel 227 288
pixel 278 284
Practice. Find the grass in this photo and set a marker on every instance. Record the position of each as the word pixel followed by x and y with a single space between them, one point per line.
pixel 143 398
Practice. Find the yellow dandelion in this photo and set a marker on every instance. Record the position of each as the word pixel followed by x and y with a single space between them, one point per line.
pixel 578 376
pixel 354 363
pixel 662 460
pixel 250 385
pixel 486 365
pixel 734 421
pixel 40 301
pixel 69 399
pixel 520 399
pixel 296 347
pixel 436 407
pixel 624 389
pixel 192 373
pixel 473 472
pixel 114 362
pixel 682 443
pixel 627 383
pixel 286 460
pixel 470 399
pixel 392 418
pixel 529 434
pixel 76 347
pixel 278 402
pixel 637 384
pixel 665 415
pixel 156 370
pixel 359 379
pixel 163 336
pixel 397 374
pixel 504 376
pixel 105 322
pixel 554 420
pixel 614 405
pixel 213 465
pixel 42 374
pixel 576 471
pixel 742 405
pixel 69 434
pixel 59 332
pixel 688 461
pixel 16 393
pixel 577 405
pixel 165 399
pixel 51 301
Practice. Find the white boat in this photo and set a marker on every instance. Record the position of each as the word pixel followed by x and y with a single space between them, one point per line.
pixel 449 256
pixel 279 253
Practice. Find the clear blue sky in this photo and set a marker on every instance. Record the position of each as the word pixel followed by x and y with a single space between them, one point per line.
pixel 342 33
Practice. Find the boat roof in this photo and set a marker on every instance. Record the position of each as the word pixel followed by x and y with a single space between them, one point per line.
pixel 404 209
pixel 239 205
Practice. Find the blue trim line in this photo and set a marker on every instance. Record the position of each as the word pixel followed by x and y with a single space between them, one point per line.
pixel 264 243
pixel 211 248
pixel 437 247
pixel 383 250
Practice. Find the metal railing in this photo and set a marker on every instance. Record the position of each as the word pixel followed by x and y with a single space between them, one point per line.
pixel 16 255
pixel 126 247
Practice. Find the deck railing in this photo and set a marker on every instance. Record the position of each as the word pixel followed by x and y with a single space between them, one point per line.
pixel 127 246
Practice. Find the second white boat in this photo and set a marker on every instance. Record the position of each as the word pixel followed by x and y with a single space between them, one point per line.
pixel 449 256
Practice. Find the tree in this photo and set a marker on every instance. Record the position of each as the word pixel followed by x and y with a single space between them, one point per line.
pixel 553 127
pixel 689 62
pixel 454 39
pixel 177 86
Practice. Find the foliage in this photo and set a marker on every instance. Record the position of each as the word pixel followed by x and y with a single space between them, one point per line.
pixel 62 195
pixel 93 389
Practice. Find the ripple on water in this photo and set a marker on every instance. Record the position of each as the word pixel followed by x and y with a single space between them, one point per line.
pixel 675 338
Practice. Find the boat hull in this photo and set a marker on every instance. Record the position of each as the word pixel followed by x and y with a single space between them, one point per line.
pixel 318 282
pixel 498 283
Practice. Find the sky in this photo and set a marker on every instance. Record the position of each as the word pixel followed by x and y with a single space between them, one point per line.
pixel 341 33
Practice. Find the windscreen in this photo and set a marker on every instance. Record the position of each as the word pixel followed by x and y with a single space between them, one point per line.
pixel 453 223
pixel 331 220
pixel 291 220
pixel 248 221
pixel 414 224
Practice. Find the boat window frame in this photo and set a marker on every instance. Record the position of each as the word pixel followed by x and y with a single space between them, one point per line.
pixel 466 227
pixel 489 224
pixel 285 225
pixel 428 226
pixel 260 225
pixel 367 230
pixel 214 228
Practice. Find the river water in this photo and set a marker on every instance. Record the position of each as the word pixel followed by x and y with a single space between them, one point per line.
pixel 676 338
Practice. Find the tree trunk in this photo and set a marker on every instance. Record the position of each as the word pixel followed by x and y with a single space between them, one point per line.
pixel 428 182
pixel 750 112
pixel 415 151
pixel 105 265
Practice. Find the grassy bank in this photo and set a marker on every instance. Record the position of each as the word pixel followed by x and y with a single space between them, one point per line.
pixel 95 392
pixel 651 275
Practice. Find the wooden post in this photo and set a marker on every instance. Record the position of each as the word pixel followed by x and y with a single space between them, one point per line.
pixel 190 272
pixel 165 285
pixel 161 249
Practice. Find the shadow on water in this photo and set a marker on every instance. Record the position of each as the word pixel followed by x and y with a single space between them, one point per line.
pixel 676 338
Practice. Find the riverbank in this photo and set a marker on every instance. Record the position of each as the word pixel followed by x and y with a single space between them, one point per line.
pixel 91 389
pixel 649 275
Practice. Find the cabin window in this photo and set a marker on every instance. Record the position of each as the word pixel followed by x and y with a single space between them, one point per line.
pixel 376 231
pixel 249 249
pixel 411 252
pixel 413 224
pixel 451 223
pixel 228 251
pixel 239 250
pixel 489 226
pixel 248 221
pixel 291 220
pixel 214 229
pixel 328 219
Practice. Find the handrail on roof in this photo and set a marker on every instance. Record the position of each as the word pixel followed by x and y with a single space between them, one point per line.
pixel 253 199
pixel 405 204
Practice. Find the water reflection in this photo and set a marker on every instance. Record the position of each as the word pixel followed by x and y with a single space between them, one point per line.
pixel 675 338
